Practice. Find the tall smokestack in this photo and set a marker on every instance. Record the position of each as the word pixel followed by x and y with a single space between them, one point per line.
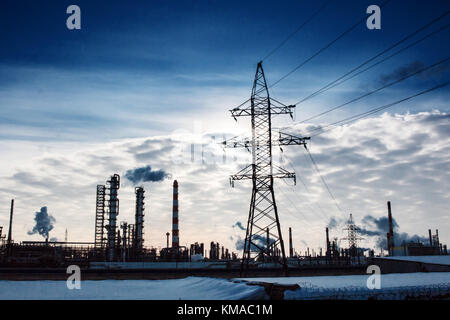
pixel 167 235
pixel 139 220
pixel 391 242
pixel 430 237
pixel 437 238
pixel 175 231
pixel 10 222
pixel 291 249
pixel 328 240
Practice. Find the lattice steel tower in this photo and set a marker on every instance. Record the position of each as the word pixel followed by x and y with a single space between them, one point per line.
pixel 100 218
pixel 352 233
pixel 263 220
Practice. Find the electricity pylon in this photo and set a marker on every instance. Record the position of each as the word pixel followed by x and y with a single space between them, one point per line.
pixel 263 239
pixel 352 234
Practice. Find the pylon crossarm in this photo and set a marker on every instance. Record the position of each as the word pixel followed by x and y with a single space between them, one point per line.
pixel 243 174
pixel 241 177
pixel 278 175
pixel 286 139
pixel 283 174
pixel 279 108
pixel 234 143
pixel 261 110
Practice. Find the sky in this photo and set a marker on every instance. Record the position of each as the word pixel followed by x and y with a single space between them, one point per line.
pixel 142 81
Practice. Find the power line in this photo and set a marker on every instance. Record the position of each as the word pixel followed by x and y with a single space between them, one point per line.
pixel 325 47
pixel 375 110
pixel 331 84
pixel 376 90
pixel 295 207
pixel 322 213
pixel 323 181
pixel 325 4
pixel 384 59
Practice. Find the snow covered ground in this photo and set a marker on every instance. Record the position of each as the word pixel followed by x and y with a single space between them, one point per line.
pixel 387 280
pixel 393 286
pixel 426 259
pixel 191 288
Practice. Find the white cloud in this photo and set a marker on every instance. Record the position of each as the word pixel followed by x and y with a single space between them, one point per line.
pixel 403 158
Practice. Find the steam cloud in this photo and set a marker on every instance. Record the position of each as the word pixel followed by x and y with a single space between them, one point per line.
pixel 239 225
pixel 261 241
pixel 44 223
pixel 381 226
pixel 333 223
pixel 145 174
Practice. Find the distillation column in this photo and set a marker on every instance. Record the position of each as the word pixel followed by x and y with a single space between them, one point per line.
pixel 100 218
pixel 175 234
pixel 139 220
pixel 113 211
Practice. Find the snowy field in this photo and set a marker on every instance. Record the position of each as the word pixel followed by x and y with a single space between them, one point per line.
pixel 426 259
pixel 393 286
pixel 387 280
pixel 191 288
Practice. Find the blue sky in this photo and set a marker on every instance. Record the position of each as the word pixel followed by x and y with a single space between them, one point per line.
pixel 140 69
pixel 166 52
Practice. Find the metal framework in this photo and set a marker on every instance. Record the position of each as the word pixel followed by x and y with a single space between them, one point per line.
pixel 352 233
pixel 100 218
pixel 175 226
pixel 125 245
pixel 263 220
pixel 113 212
pixel 131 235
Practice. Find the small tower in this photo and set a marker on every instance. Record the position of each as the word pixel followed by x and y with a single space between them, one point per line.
pixel 352 236
pixel 175 230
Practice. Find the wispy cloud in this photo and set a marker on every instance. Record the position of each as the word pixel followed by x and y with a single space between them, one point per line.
pixel 402 158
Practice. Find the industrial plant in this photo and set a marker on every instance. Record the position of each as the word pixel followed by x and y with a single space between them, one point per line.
pixel 122 246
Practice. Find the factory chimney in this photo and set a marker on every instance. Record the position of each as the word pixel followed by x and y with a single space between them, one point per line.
pixel 10 223
pixel 175 230
pixel 437 238
pixel 430 237
pixel 390 237
pixel 167 235
pixel 291 249
pixel 139 220
pixel 328 240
